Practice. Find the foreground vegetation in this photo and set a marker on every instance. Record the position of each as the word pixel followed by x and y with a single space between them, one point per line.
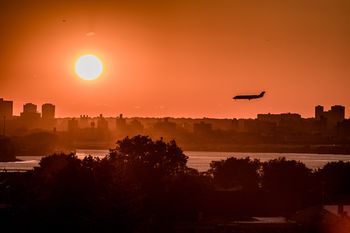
pixel 145 186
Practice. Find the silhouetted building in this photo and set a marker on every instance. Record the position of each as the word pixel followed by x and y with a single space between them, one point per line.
pixel 84 121
pixel 319 112
pixel 48 116
pixel 102 123
pixel 334 116
pixel 120 124
pixel 343 129
pixel 186 126
pixel 202 128
pixel 30 117
pixel 72 126
pixel 103 133
pixel 247 125
pixel 29 108
pixel 338 112
pixel 6 109
pixel 165 126
pixel 48 111
pixel 135 127
pixel 277 118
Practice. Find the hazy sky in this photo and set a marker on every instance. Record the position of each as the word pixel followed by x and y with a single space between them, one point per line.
pixel 185 58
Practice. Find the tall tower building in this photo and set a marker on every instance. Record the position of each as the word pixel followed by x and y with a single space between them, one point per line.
pixel 48 116
pixel 102 123
pixel 30 117
pixel 48 111
pixel 6 109
pixel 120 123
pixel 29 108
pixel 333 116
pixel 319 110
pixel 338 112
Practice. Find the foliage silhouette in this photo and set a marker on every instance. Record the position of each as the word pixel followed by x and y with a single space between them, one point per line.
pixel 285 176
pixel 141 185
pixel 7 149
pixel 335 180
pixel 144 185
pixel 236 173
pixel 287 181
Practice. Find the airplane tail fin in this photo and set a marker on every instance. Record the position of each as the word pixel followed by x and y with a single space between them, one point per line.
pixel 262 93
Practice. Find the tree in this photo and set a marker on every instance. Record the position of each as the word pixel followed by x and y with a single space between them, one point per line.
pixel 335 179
pixel 7 150
pixel 236 173
pixel 287 182
pixel 151 166
pixel 81 195
pixel 141 152
pixel 141 185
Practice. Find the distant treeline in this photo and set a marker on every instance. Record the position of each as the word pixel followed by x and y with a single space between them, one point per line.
pixel 34 144
pixel 42 143
pixel 145 186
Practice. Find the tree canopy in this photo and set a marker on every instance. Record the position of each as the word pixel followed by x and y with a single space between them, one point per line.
pixel 236 173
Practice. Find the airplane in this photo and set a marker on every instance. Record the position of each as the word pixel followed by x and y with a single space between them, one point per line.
pixel 249 97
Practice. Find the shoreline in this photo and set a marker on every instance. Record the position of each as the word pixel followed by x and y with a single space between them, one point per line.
pixel 336 150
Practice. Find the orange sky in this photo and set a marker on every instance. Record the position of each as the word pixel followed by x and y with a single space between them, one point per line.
pixel 177 59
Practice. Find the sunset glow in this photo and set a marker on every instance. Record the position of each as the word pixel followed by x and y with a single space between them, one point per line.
pixel 88 67
pixel 178 59
pixel 175 116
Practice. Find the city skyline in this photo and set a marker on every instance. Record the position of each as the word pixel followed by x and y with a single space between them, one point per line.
pixel 283 132
pixel 181 59
pixel 49 109
pixel 18 108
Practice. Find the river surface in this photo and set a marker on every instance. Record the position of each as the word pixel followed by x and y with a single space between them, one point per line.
pixel 199 160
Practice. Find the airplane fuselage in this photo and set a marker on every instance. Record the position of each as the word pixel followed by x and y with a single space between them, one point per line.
pixel 249 97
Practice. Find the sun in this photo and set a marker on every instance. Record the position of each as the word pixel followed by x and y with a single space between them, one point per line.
pixel 88 67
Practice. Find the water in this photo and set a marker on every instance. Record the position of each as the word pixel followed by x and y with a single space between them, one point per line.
pixel 199 160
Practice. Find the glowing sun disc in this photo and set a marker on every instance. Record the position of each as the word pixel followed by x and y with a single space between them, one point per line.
pixel 88 67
